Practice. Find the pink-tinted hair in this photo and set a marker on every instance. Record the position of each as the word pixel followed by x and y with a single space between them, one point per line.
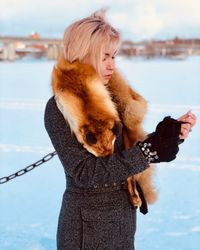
pixel 88 38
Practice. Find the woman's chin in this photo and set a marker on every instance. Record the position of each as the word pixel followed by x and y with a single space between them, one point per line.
pixel 106 80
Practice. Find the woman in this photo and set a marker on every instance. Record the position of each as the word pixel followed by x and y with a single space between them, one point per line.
pixel 96 211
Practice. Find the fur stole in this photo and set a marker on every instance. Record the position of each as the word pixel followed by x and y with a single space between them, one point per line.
pixel 95 112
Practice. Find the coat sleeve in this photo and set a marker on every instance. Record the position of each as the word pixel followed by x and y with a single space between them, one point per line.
pixel 86 169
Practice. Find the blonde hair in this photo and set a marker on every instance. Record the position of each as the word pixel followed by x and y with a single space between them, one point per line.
pixel 88 38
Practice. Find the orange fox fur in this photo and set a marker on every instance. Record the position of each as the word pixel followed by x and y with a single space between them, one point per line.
pixel 96 109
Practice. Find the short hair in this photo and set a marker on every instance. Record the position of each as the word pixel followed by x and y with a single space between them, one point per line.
pixel 88 38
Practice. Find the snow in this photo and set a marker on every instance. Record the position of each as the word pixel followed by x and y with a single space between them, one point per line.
pixel 30 204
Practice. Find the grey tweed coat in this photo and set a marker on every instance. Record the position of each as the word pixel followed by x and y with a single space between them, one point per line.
pixel 96 212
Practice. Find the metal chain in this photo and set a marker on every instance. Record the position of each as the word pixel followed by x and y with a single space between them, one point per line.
pixel 28 168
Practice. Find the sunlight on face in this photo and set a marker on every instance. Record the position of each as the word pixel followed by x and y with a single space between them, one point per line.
pixel 107 65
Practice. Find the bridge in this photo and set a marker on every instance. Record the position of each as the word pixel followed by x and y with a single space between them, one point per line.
pixel 15 47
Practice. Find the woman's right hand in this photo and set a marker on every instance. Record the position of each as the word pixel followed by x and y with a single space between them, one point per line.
pixel 162 145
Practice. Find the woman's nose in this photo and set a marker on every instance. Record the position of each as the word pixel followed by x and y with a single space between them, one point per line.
pixel 110 65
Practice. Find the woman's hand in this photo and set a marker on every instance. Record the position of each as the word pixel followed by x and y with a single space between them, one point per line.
pixel 189 120
pixel 163 144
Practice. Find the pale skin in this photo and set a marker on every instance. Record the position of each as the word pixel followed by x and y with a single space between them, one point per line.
pixel 107 65
pixel 190 120
pixel 107 68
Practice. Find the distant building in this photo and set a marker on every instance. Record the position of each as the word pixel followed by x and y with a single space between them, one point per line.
pixel 35 35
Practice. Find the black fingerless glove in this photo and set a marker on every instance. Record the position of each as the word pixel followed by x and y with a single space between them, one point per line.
pixel 162 145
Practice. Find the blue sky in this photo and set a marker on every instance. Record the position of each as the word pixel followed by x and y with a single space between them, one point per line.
pixel 136 19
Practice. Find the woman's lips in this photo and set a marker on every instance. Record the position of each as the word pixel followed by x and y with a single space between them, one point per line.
pixel 107 76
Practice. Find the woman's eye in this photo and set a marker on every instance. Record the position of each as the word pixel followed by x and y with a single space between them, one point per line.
pixel 113 57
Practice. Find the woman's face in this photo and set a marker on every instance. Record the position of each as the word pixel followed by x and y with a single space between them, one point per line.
pixel 107 65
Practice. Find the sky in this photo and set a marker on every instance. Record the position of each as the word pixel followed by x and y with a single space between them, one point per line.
pixel 135 19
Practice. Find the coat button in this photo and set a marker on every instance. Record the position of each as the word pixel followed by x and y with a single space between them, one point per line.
pixel 106 185
pixel 114 184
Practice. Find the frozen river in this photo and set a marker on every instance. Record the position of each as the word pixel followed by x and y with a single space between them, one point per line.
pixel 29 205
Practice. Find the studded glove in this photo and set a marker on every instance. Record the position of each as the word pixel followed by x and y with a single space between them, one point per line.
pixel 162 145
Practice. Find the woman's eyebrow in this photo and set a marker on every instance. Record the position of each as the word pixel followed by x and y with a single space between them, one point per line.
pixel 108 54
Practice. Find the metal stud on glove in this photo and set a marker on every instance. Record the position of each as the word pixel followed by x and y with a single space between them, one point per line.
pixel 149 155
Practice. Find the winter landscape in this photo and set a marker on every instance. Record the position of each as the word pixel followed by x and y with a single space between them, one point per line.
pixel 30 204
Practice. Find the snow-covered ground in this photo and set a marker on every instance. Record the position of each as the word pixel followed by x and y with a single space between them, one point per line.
pixel 29 205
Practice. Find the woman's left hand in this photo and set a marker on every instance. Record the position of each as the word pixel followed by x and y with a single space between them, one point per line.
pixel 189 120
